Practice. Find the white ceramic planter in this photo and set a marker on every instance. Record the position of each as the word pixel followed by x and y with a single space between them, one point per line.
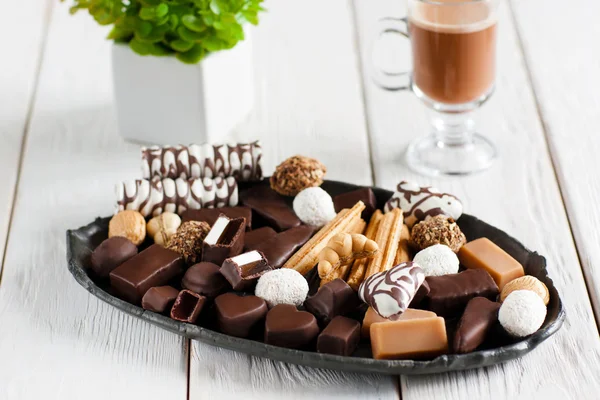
pixel 161 100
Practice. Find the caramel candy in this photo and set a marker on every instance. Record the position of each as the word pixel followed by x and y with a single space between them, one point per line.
pixel 371 317
pixel 409 338
pixel 483 254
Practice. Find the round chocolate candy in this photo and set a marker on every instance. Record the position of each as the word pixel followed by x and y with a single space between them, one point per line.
pixel 204 278
pixel 111 253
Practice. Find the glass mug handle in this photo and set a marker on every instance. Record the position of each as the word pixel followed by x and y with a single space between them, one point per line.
pixel 390 80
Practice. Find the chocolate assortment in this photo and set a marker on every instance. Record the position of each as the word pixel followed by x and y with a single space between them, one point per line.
pixel 330 275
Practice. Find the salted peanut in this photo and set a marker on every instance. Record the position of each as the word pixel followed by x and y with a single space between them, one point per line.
pixel 484 254
pixel 342 249
pixel 388 238
pixel 371 317
pixel 526 282
pixel 357 273
pixel 358 227
pixel 403 254
pixel 411 338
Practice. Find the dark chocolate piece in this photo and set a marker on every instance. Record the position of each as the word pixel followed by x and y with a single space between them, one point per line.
pixel 155 266
pixel 449 294
pixel 349 199
pixel 271 206
pixel 159 298
pixel 257 236
pixel 475 323
pixel 188 306
pixel 210 215
pixel 225 239
pixel 204 278
pixel 341 337
pixel 333 299
pixel 239 315
pixel 281 247
pixel 243 271
pixel 111 253
pixel 287 327
pixel 421 294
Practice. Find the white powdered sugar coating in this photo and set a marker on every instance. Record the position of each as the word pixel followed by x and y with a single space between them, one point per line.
pixel 314 206
pixel 522 313
pixel 437 260
pixel 282 286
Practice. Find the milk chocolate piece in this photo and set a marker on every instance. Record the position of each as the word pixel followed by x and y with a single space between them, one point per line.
pixel 204 278
pixel 159 298
pixel 475 323
pixel 239 315
pixel 243 271
pixel 271 206
pixel 287 327
pixel 340 337
pixel 421 294
pixel 257 236
pixel 371 317
pixel 225 239
pixel 188 306
pixel 348 200
pixel 449 294
pixel 484 254
pixel 282 246
pixel 155 266
pixel 333 299
pixel 409 339
pixel 110 254
pixel 210 215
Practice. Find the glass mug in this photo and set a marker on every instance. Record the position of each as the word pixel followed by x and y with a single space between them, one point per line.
pixel 454 65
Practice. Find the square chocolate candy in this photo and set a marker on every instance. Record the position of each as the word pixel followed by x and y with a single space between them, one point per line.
pixel 243 271
pixel 225 239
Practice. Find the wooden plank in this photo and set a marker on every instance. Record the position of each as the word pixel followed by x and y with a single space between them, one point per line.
pixel 17 80
pixel 564 66
pixel 520 195
pixel 57 341
pixel 309 102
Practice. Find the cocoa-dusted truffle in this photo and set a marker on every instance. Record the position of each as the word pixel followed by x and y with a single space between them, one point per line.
pixel 188 240
pixel 440 229
pixel 297 173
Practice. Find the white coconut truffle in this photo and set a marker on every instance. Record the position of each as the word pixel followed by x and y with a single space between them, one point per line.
pixel 437 260
pixel 282 286
pixel 522 313
pixel 314 206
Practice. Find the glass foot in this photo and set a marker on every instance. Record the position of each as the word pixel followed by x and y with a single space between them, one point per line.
pixel 433 157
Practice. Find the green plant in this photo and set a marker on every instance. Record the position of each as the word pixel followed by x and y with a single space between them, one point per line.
pixel 189 29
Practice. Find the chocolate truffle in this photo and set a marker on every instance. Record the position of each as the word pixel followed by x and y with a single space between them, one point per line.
pixel 440 229
pixel 188 240
pixel 297 173
pixel 111 253
pixel 204 278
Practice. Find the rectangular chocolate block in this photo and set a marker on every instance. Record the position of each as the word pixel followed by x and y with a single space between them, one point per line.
pixel 188 306
pixel 257 236
pixel 349 199
pixel 371 317
pixel 340 337
pixel 210 215
pixel 409 339
pixel 159 298
pixel 155 266
pixel 477 320
pixel 484 254
pixel 332 299
pixel 281 247
pixel 271 206
pixel 243 271
pixel 225 239
pixel 449 294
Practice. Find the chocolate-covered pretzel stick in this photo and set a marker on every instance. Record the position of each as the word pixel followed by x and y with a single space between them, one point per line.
pixel 240 160
pixel 152 197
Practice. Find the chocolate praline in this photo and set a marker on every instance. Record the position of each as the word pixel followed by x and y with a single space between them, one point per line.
pixel 111 253
pixel 204 278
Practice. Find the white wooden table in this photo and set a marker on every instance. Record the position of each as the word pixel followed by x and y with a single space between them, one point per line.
pixel 60 156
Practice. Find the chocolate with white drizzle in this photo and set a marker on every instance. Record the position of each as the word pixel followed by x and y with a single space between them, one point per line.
pixel 390 292
pixel 240 160
pixel 154 196
pixel 419 202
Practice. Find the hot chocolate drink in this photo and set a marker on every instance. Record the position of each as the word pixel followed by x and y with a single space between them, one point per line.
pixel 453 50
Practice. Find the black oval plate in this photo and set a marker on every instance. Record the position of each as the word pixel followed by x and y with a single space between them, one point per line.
pixel 82 241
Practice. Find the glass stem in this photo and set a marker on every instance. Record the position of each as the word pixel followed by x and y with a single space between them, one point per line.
pixel 452 129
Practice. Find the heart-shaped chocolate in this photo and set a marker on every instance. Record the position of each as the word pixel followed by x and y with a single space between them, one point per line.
pixel 237 315
pixel 288 327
